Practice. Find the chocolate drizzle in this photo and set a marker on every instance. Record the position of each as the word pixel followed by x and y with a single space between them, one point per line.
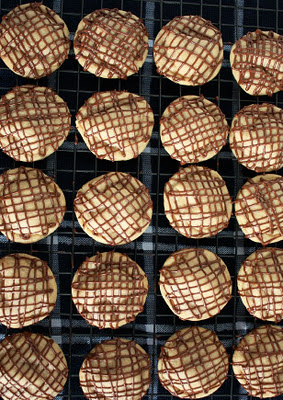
pixel 27 290
pixel 188 50
pixel 257 59
pixel 34 122
pixel 197 202
pixel 114 208
pixel 196 283
pixel 258 361
pixel 34 40
pixel 115 369
pixel 193 363
pixel 32 367
pixel 115 125
pixel 193 129
pixel 260 284
pixel 256 137
pixel 111 43
pixel 31 204
pixel 109 290
pixel 259 209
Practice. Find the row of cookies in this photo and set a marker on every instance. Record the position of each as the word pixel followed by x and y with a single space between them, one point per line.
pixel 112 43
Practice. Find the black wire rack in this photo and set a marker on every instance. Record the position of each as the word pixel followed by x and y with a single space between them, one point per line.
pixel 73 165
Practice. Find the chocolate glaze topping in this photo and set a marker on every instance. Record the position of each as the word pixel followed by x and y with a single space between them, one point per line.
pixel 112 42
pixel 256 137
pixel 115 369
pixel 196 282
pixel 188 48
pixel 115 125
pixel 34 121
pixel 193 363
pixel 193 128
pixel 33 367
pixel 25 290
pixel 109 290
pixel 34 41
pixel 30 204
pixel 260 283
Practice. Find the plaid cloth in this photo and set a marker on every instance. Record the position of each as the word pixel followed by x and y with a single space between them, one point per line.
pixel 73 165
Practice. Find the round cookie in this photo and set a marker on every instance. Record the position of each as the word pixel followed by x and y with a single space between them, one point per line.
pixel 34 122
pixel 32 367
pixel 195 283
pixel 114 208
pixel 115 125
pixel 34 40
pixel 193 129
pixel 188 50
pixel 111 43
pixel 259 208
pixel 109 290
pixel 256 138
pixel 197 202
pixel 260 284
pixel 258 362
pixel 32 205
pixel 256 62
pixel 115 368
pixel 193 363
pixel 28 290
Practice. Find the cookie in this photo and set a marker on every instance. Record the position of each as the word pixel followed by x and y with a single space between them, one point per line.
pixel 259 208
pixel 188 50
pixel 115 369
pixel 28 290
pixel 256 138
pixel 34 40
pixel 114 208
pixel 111 43
pixel 195 283
pixel 115 125
pixel 258 362
pixel 34 122
pixel 193 129
pixel 193 363
pixel 260 284
pixel 32 205
pixel 197 202
pixel 109 290
pixel 256 62
pixel 32 367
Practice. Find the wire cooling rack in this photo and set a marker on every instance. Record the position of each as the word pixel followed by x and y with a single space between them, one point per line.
pixel 73 165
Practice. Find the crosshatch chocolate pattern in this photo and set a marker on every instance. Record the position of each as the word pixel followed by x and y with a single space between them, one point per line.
pixel 73 165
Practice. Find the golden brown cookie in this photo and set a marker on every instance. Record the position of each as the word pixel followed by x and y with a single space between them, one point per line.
pixel 256 137
pixel 259 208
pixel 260 284
pixel 195 283
pixel 32 205
pixel 256 62
pixel 193 363
pixel 34 122
pixel 109 290
pixel 115 369
pixel 34 40
pixel 188 50
pixel 28 290
pixel 114 208
pixel 111 43
pixel 193 129
pixel 115 125
pixel 258 362
pixel 197 202
pixel 32 367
